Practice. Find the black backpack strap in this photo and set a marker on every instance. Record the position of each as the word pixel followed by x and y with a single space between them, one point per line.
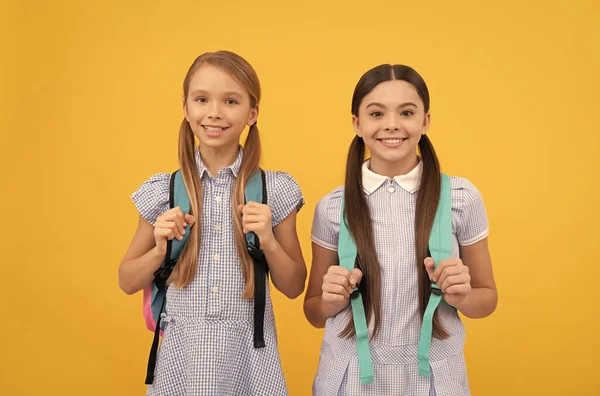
pixel 260 283
pixel 160 279
pixel 154 348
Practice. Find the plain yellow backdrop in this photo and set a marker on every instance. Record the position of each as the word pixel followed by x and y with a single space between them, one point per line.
pixel 90 108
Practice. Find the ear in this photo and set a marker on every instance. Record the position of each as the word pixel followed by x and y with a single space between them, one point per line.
pixel 356 125
pixel 253 115
pixel 185 111
pixel 426 123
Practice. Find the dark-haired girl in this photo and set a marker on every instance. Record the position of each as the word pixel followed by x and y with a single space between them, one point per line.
pixel 390 201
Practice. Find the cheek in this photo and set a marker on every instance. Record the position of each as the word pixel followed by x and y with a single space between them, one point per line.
pixel 193 112
pixel 414 127
pixel 369 129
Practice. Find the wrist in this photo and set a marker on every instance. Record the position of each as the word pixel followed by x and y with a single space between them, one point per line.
pixel 269 245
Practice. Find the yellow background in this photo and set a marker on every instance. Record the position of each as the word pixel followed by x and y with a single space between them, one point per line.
pixel 90 108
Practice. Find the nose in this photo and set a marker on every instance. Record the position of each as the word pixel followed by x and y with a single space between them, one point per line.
pixel 214 111
pixel 392 124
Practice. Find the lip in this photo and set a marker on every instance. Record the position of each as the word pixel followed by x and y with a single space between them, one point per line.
pixel 392 142
pixel 214 133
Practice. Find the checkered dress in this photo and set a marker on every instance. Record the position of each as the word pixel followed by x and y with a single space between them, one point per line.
pixel 207 348
pixel 394 350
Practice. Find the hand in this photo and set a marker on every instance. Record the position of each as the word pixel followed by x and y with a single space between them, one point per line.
pixel 338 284
pixel 257 218
pixel 453 278
pixel 169 225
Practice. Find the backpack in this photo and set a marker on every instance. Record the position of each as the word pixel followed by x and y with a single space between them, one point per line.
pixel 155 294
pixel 440 247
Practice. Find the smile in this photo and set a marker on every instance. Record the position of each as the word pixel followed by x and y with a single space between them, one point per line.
pixel 392 142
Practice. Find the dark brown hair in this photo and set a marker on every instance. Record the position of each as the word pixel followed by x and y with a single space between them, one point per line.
pixel 357 211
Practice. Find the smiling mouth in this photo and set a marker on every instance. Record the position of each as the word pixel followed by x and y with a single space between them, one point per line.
pixel 392 142
pixel 213 128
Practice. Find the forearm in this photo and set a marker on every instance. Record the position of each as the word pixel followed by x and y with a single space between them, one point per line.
pixel 288 275
pixel 478 303
pixel 318 311
pixel 135 274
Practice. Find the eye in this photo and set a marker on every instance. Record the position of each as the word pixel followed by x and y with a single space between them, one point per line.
pixel 376 114
pixel 407 113
pixel 201 99
pixel 231 101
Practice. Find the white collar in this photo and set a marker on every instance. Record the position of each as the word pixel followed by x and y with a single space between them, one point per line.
pixel 372 181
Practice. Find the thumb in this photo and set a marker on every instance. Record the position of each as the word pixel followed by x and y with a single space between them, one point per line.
pixel 429 266
pixel 240 208
pixel 355 277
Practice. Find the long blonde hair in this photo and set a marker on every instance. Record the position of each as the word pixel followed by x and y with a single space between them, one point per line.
pixel 239 69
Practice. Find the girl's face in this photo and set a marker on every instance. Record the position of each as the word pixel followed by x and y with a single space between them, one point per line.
pixel 391 120
pixel 218 108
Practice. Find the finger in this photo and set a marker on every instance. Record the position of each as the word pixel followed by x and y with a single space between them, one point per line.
pixel 458 289
pixel 442 265
pixel 241 208
pixel 252 227
pixel 165 233
pixel 453 280
pixel 429 266
pixel 447 272
pixel 340 280
pixel 254 218
pixel 171 225
pixel 355 277
pixel 253 208
pixel 176 216
pixel 337 270
pixel 189 219
pixel 331 298
pixel 335 289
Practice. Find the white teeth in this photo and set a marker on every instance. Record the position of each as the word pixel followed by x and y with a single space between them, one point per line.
pixel 391 141
pixel 211 129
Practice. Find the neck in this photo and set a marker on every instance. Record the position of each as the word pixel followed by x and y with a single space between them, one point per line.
pixel 216 159
pixel 393 168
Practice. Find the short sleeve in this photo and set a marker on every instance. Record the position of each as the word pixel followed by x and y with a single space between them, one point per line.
pixel 326 221
pixel 151 199
pixel 284 196
pixel 471 217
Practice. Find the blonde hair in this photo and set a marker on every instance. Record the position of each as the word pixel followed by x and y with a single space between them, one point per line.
pixel 239 69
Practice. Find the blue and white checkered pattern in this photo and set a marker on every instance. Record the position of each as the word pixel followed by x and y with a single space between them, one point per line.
pixel 394 350
pixel 207 348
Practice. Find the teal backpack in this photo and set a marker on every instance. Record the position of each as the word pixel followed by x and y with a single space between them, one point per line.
pixel 440 247
pixel 155 294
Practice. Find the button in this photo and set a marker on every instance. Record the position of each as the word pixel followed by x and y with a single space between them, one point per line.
pixel 391 189
pixel 217 227
pixel 216 257
pixel 214 289
pixel 218 198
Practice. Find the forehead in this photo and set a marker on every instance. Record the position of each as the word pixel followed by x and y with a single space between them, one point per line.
pixel 393 93
pixel 215 80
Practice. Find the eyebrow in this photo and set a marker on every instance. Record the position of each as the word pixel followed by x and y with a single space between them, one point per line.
pixel 382 105
pixel 228 93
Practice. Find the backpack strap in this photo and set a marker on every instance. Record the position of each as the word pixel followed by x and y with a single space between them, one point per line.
pixel 348 257
pixel 177 197
pixel 256 191
pixel 440 247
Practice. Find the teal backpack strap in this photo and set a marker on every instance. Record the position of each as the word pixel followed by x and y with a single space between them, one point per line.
pixel 348 256
pixel 440 247
pixel 256 191
pixel 177 197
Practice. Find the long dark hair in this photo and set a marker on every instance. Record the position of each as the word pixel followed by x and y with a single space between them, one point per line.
pixel 357 211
